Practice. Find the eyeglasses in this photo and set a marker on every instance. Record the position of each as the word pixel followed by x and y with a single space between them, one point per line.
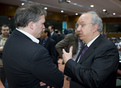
pixel 82 25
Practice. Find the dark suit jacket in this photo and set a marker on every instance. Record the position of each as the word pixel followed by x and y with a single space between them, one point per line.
pixel 97 68
pixel 55 37
pixel 68 41
pixel 26 63
pixel 50 46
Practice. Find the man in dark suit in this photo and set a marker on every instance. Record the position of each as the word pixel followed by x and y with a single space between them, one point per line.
pixel 97 66
pixel 49 44
pixel 53 34
pixel 25 61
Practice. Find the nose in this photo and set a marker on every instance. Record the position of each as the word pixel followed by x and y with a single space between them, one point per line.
pixel 43 26
pixel 78 28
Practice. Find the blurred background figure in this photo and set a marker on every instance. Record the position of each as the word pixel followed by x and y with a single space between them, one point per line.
pixel 53 35
pixel 70 39
pixel 49 44
pixel 3 38
pixel 60 35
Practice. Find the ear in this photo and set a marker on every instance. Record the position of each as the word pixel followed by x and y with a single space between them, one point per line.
pixel 31 25
pixel 95 27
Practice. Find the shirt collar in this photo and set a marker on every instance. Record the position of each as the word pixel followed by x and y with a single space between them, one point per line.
pixel 52 33
pixel 29 35
pixel 92 41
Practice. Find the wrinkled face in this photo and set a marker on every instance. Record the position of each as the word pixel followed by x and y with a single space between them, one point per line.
pixel 39 26
pixel 5 31
pixel 85 27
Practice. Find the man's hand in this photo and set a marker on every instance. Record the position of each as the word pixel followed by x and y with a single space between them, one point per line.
pixel 66 56
pixel 1 48
pixel 43 84
pixel 1 85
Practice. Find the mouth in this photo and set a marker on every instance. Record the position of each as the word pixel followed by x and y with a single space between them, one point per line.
pixel 80 34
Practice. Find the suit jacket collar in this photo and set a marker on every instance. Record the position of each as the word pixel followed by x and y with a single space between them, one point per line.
pixel 18 33
pixel 90 49
pixel 29 35
pixel 47 42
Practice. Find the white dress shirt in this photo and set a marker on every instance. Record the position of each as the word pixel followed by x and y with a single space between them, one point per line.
pixel 29 35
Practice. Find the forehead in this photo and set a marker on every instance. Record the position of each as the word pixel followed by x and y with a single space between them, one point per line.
pixel 3 28
pixel 84 18
pixel 49 27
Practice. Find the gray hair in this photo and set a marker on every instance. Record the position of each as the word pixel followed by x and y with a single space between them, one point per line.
pixel 96 20
pixel 27 13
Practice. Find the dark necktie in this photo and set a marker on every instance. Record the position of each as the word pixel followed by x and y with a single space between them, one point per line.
pixel 85 48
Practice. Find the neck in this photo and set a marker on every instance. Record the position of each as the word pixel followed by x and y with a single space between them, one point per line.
pixel 5 36
pixel 91 38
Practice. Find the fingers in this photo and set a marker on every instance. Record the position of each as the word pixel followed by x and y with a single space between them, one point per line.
pixel 42 84
pixel 64 51
pixel 70 50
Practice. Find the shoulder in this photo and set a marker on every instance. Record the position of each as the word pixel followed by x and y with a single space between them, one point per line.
pixel 51 40
pixel 0 36
pixel 105 44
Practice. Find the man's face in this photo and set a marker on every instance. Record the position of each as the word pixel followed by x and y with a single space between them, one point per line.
pixel 85 27
pixel 5 31
pixel 39 26
pixel 50 28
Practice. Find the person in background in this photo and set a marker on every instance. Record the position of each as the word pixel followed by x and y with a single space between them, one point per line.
pixel 53 35
pixel 97 63
pixel 26 62
pixel 49 44
pixel 3 38
pixel 71 39
pixel 60 35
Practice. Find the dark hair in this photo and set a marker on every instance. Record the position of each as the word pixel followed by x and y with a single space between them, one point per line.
pixel 27 13
pixel 4 25
pixel 48 32
pixel 52 27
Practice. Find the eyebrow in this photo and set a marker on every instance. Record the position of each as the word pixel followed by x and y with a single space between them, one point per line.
pixel 81 22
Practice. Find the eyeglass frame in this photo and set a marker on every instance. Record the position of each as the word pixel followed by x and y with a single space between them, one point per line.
pixel 82 25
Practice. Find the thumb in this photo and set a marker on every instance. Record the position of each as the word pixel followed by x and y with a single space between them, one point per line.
pixel 70 50
pixel 64 51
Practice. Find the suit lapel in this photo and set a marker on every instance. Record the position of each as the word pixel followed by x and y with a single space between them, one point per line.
pixel 47 42
pixel 91 49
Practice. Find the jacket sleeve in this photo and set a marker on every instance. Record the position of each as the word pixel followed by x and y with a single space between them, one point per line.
pixel 62 44
pixel 45 70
